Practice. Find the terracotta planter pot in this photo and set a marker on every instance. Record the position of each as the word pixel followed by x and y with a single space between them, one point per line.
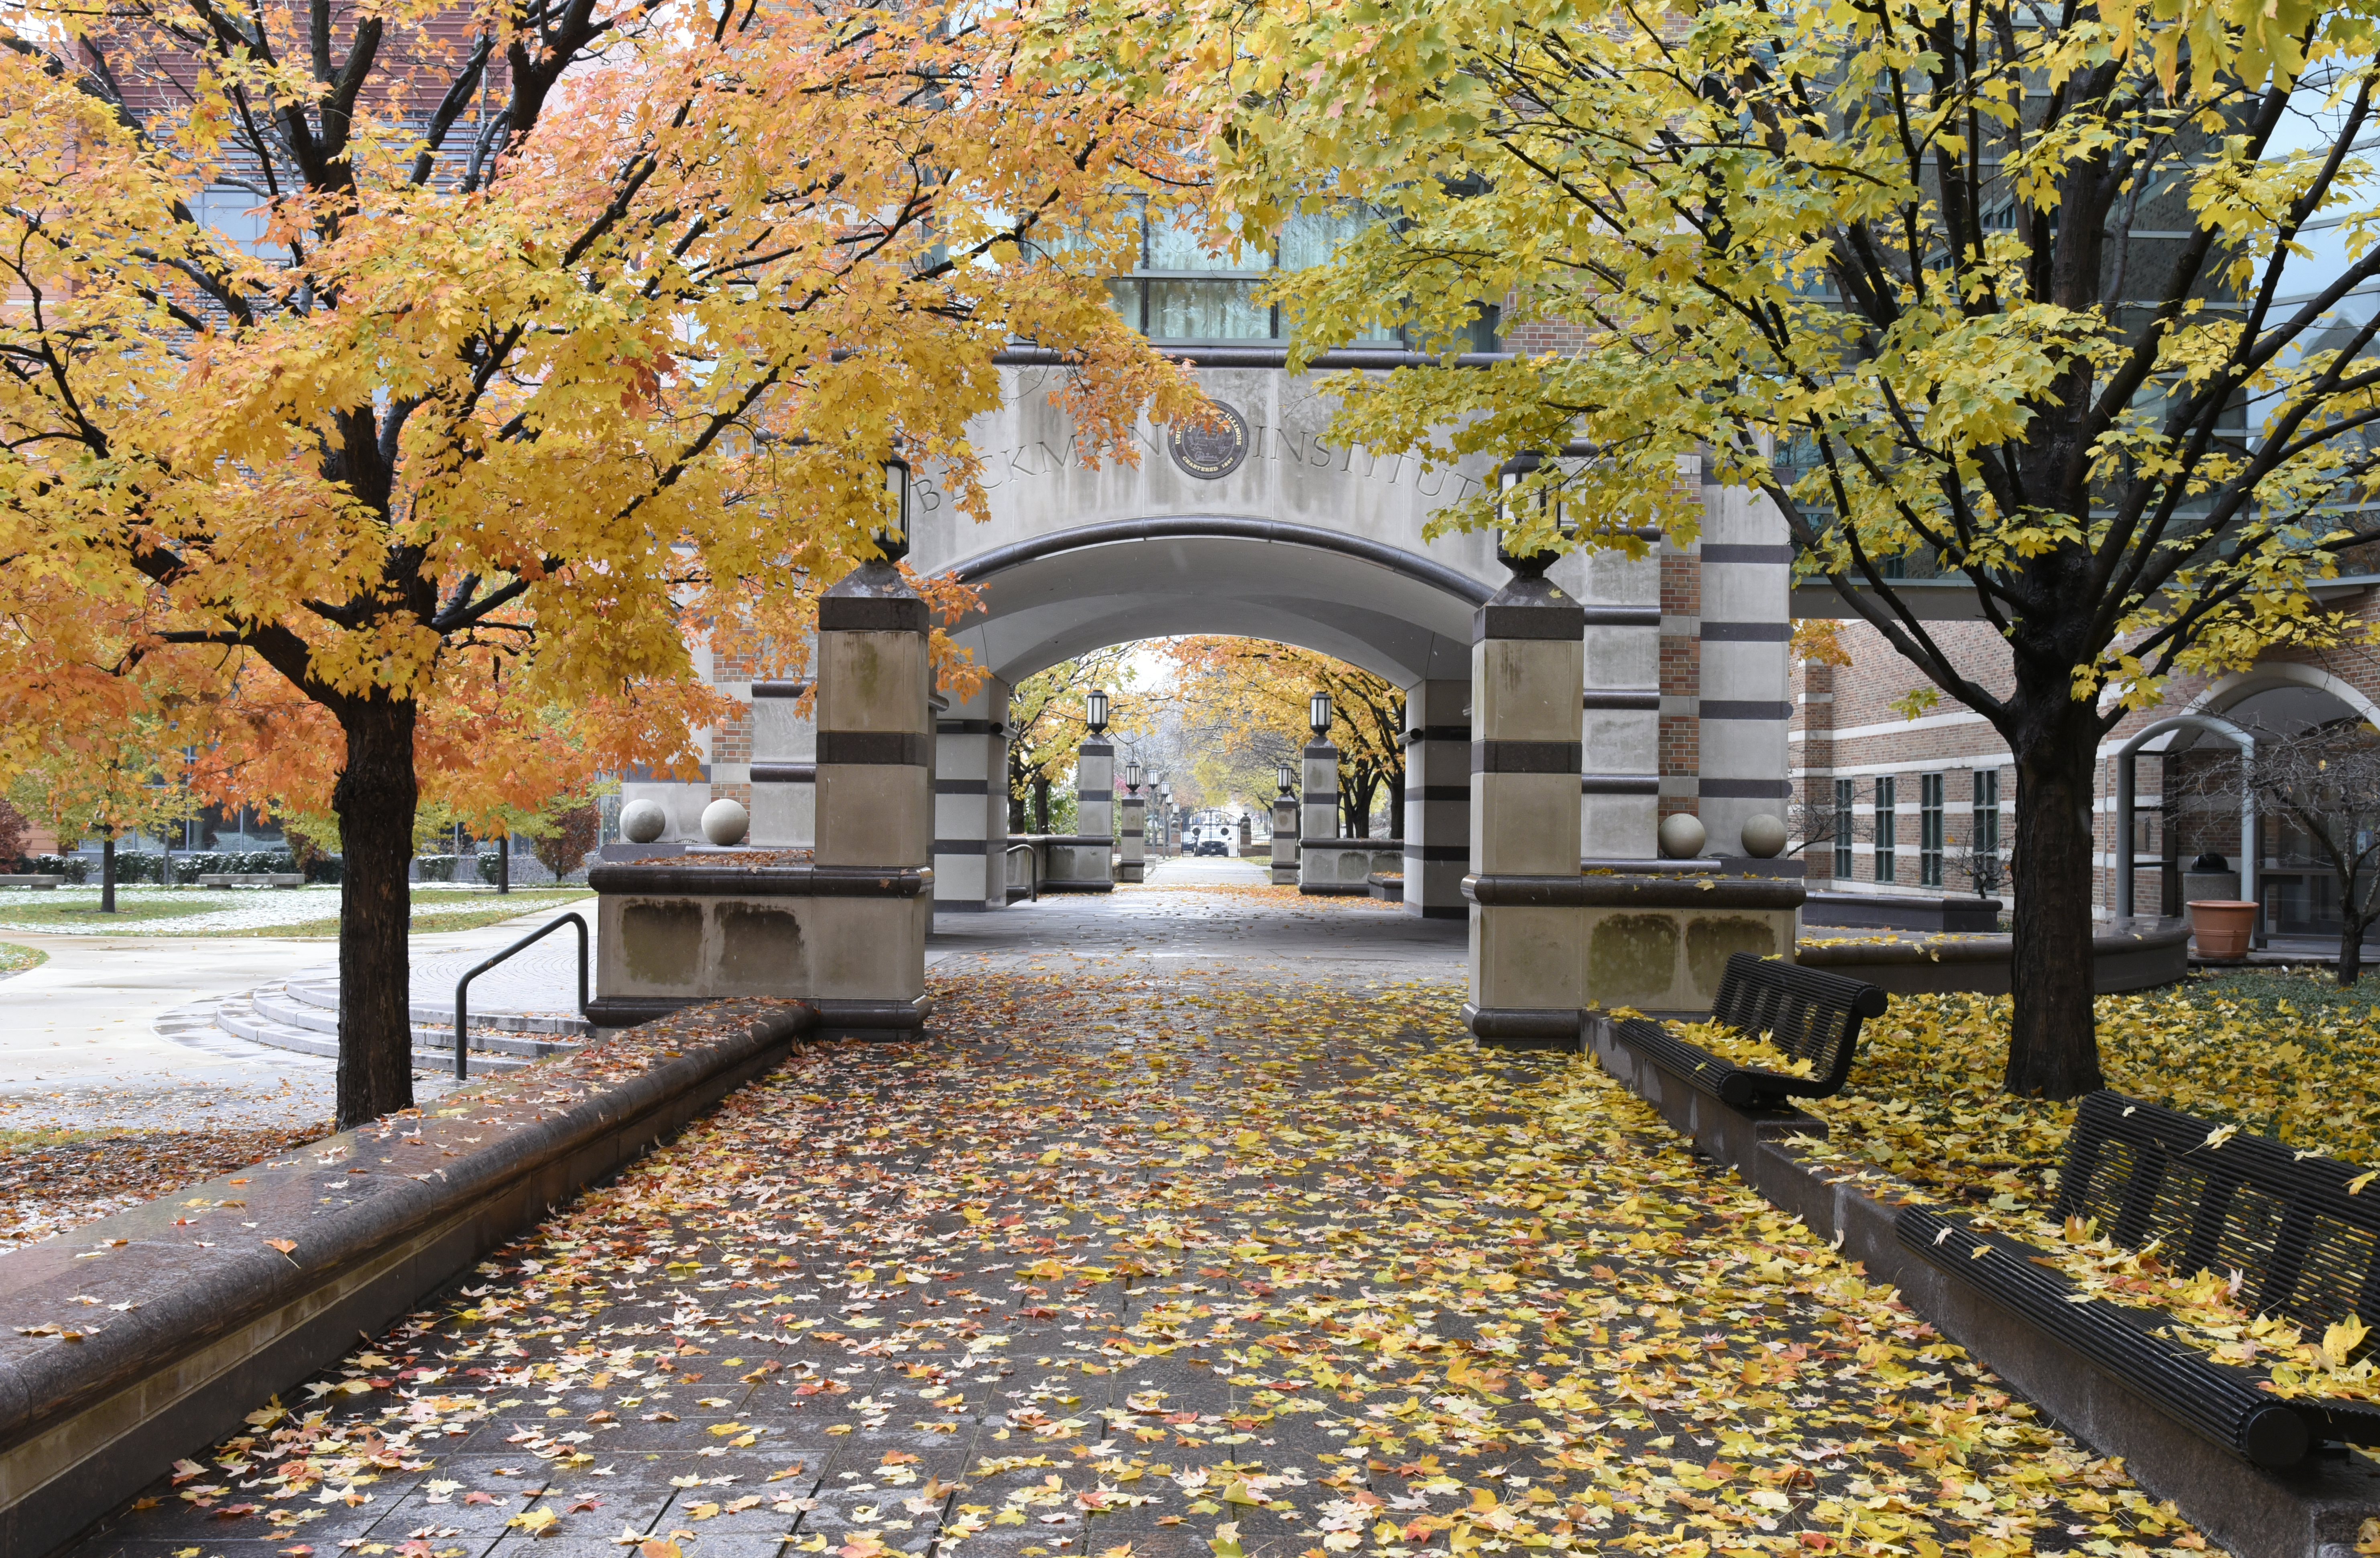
pixel 2220 927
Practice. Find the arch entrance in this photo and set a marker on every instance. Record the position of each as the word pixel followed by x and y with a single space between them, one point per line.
pixel 1267 529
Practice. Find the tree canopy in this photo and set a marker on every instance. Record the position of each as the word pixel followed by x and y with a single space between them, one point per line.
pixel 2057 305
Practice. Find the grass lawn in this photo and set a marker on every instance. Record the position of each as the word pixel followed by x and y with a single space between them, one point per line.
pixel 79 912
pixel 16 959
pixel 459 912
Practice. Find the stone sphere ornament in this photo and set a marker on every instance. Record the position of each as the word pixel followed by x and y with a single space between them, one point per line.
pixel 725 822
pixel 1764 836
pixel 1683 836
pixel 642 821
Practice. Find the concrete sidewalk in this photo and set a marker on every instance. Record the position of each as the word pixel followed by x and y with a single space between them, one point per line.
pixel 90 1040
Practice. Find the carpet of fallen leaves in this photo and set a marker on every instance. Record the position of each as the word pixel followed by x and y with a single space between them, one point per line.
pixel 1159 1269
pixel 1263 895
pixel 2282 1055
pixel 51 1181
pixel 2279 1053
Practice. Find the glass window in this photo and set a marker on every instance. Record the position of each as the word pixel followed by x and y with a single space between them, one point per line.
pixel 1929 830
pixel 1988 812
pixel 1177 242
pixel 1206 310
pixel 1846 798
pixel 1310 239
pixel 1884 789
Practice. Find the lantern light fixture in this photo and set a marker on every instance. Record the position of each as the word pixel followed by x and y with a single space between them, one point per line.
pixel 1318 715
pixel 1287 776
pixel 1097 715
pixel 894 543
pixel 1131 777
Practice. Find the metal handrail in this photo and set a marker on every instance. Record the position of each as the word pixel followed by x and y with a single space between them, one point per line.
pixel 462 986
pixel 1034 894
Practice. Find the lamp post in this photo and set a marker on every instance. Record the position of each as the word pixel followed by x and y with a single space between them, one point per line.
pixel 1095 799
pixel 1132 842
pixel 1284 827
pixel 1318 715
pixel 1319 821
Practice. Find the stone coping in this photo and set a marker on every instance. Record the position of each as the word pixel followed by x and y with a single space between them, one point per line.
pixel 723 876
pixel 1888 911
pixel 1675 891
pixel 2136 954
pixel 2314 1513
pixel 142 1337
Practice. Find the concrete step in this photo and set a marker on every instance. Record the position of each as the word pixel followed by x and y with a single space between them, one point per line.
pixel 324 994
pixel 315 1007
pixel 260 1017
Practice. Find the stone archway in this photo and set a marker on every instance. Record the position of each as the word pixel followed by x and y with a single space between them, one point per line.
pixel 1051 597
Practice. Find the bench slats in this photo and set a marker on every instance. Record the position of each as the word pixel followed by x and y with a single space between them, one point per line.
pixel 1808 1013
pixel 2301 1245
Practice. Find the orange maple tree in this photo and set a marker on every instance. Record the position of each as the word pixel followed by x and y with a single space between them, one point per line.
pixel 438 361
pixel 1257 694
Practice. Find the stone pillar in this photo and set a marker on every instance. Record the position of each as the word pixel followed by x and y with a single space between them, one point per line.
pixel 1632 662
pixel 970 802
pixel 1745 705
pixel 875 791
pixel 1284 840
pixel 1527 664
pixel 1084 860
pixel 1437 798
pixel 785 767
pixel 1133 839
pixel 1095 788
pixel 1318 810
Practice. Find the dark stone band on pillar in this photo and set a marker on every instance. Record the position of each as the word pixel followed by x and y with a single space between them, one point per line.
pixel 1439 854
pixel 784 773
pixel 779 689
pixel 1619 784
pixel 1649 701
pixel 1097 749
pixel 1320 797
pixel 1438 732
pixel 1743 709
pixel 961 846
pixel 877 748
pixel 1532 607
pixel 1747 789
pixel 1527 756
pixel 1622 616
pixel 1438 792
pixel 871 613
pixel 969 727
pixel 962 787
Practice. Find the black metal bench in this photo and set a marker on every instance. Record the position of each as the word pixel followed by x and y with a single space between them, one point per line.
pixel 2302 1247
pixel 1809 1014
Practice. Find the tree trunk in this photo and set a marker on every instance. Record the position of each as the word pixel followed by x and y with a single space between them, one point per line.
pixel 375 798
pixel 505 864
pixel 2052 1039
pixel 2350 954
pixel 1041 803
pixel 107 872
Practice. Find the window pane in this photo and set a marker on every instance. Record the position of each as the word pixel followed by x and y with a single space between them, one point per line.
pixel 1176 243
pixel 1312 240
pixel 1206 311
pixel 1124 293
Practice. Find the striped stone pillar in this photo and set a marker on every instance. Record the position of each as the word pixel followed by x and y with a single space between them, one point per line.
pixel 1437 797
pixel 1527 663
pixel 1132 847
pixel 1318 813
pixel 971 801
pixel 1744 706
pixel 1284 840
pixel 785 767
pixel 875 734
pixel 1095 791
